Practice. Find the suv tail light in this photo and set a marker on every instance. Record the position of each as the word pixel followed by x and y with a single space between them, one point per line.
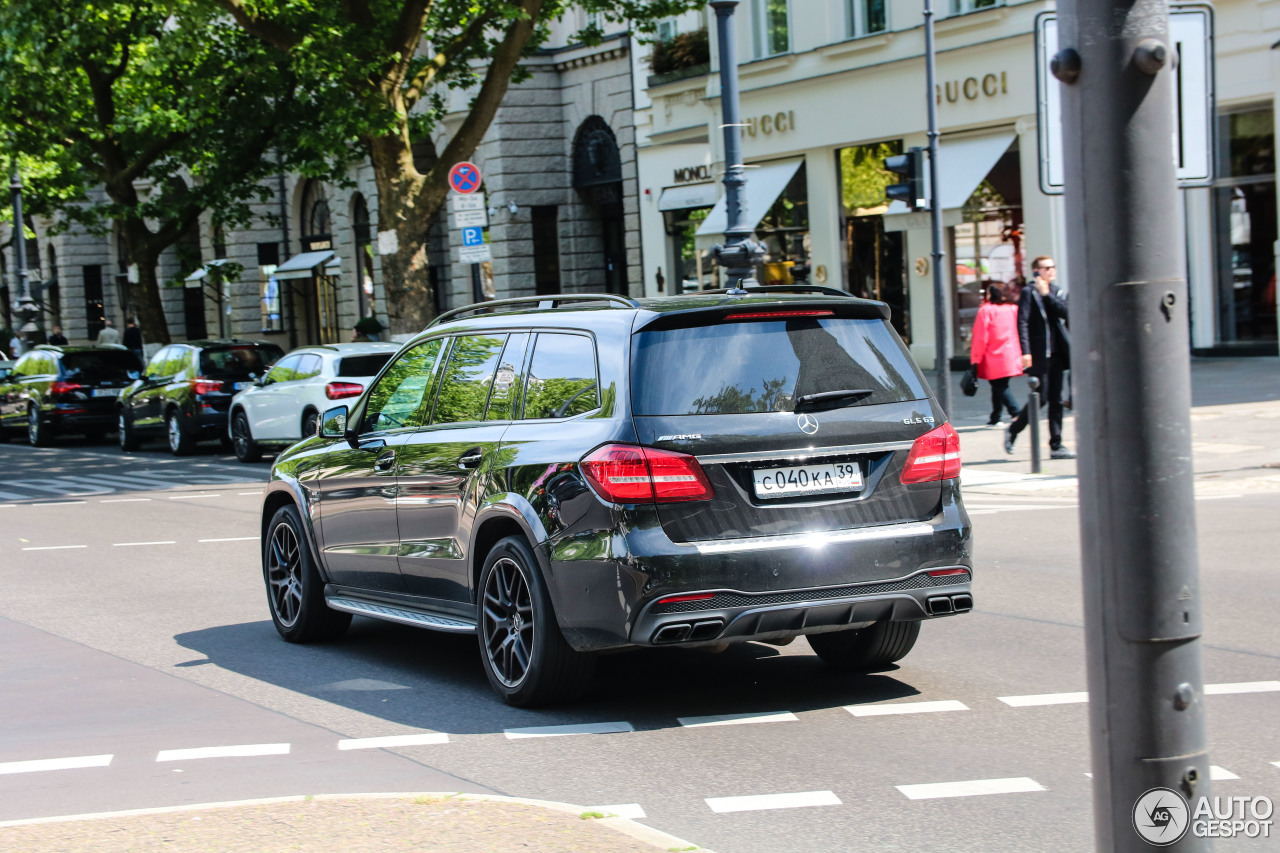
pixel 200 385
pixel 60 387
pixel 934 456
pixel 626 474
pixel 342 390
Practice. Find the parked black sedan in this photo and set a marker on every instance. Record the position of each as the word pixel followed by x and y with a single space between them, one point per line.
pixel 186 390
pixel 53 390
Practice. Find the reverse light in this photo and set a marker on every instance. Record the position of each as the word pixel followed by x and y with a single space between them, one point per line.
pixel 934 456
pixel 60 387
pixel 201 385
pixel 342 390
pixel 627 474
pixel 779 315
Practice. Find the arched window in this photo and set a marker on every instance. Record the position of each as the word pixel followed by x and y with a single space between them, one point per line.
pixel 316 222
pixel 363 229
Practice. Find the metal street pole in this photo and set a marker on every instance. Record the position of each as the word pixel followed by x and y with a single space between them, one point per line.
pixel 1142 603
pixel 740 253
pixel 941 309
pixel 26 307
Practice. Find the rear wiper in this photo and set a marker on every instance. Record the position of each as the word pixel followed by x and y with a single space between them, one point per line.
pixel 827 396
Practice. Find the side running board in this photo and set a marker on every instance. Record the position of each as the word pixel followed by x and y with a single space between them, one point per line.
pixel 418 619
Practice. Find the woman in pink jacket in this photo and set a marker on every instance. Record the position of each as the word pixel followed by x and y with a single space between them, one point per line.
pixel 995 349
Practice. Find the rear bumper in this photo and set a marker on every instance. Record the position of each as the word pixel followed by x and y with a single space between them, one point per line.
pixel 606 583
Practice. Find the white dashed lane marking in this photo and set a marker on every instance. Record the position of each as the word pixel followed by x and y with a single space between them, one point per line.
pixel 736 719
pixel 575 729
pixel 54 547
pixel 975 788
pixel 130 544
pixel 426 739
pixel 191 497
pixel 55 764
pixel 1221 774
pixel 241 751
pixel 124 500
pixel 631 811
pixel 1242 687
pixel 232 539
pixel 1044 699
pixel 905 708
pixel 763 802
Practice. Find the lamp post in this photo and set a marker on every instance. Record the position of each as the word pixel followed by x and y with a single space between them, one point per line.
pixel 941 309
pixel 25 306
pixel 739 253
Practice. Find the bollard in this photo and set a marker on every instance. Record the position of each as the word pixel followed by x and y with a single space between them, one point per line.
pixel 1033 420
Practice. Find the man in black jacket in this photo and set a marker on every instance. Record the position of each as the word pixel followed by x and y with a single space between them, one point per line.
pixel 1046 350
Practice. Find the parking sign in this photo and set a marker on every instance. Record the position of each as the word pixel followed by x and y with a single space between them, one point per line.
pixel 472 236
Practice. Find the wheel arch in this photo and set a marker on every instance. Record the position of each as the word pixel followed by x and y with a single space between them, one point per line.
pixel 502 516
pixel 279 494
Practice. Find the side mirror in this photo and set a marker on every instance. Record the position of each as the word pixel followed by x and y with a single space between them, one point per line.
pixel 333 423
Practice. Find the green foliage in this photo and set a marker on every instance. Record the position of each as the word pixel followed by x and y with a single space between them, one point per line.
pixel 862 174
pixel 686 50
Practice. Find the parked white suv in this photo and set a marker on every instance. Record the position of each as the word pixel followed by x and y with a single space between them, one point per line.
pixel 284 406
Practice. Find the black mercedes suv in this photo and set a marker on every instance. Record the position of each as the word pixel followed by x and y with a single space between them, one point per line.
pixel 563 476
pixel 186 390
pixel 55 390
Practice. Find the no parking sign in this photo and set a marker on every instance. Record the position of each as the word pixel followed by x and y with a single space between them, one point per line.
pixel 464 177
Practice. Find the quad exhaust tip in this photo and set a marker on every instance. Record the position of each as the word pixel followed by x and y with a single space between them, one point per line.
pixel 681 631
pixel 942 604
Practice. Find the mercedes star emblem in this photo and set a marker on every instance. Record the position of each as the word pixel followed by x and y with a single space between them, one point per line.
pixel 807 423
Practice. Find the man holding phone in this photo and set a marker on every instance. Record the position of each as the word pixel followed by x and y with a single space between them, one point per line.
pixel 1046 350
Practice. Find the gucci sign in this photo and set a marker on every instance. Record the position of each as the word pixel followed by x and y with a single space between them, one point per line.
pixel 768 124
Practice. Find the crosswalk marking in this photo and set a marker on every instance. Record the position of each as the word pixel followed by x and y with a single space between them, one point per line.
pixel 905 708
pixel 424 739
pixel 55 764
pixel 975 788
pixel 1242 687
pixel 1044 699
pixel 1221 774
pixel 54 547
pixel 735 719
pixel 241 751
pixel 572 729
pixel 761 802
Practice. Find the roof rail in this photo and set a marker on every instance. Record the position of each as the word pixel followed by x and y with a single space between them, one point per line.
pixel 791 288
pixel 538 302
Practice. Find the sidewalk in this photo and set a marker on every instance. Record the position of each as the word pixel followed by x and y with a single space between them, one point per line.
pixel 422 823
pixel 1235 418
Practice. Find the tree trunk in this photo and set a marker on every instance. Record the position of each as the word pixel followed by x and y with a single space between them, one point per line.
pixel 146 298
pixel 402 211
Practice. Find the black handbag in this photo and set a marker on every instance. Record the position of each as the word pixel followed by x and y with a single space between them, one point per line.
pixel 969 382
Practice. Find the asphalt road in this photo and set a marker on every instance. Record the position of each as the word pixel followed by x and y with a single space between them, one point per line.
pixel 139 664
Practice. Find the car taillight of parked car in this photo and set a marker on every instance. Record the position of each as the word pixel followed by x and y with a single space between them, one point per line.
pixel 934 456
pixel 627 474
pixel 342 390
pixel 60 387
pixel 200 385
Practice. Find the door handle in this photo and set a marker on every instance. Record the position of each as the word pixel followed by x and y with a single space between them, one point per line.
pixel 471 459
pixel 385 461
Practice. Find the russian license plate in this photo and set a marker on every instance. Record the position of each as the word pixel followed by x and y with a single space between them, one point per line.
pixel 107 392
pixel 807 480
pixel 240 386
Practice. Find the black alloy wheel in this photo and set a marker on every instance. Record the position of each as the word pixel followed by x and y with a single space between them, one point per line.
pixel 874 647
pixel 310 424
pixel 242 443
pixel 526 658
pixel 128 437
pixel 37 430
pixel 295 589
pixel 180 441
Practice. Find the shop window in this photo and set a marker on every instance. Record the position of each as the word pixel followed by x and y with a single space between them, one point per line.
pixel 1245 227
pixel 784 231
pixel 874 259
pixel 269 288
pixel 95 314
pixel 961 7
pixel 694 268
pixel 771 27
pixel 865 17
pixel 363 229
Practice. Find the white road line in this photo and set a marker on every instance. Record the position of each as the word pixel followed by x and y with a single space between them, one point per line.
pixel 1276 763
pixel 1216 497
pixel 241 751
pixel 905 708
pixel 128 544
pixel 248 493
pixel 54 547
pixel 762 802
pixel 1220 774
pixel 124 500
pixel 426 739
pixel 631 811
pixel 1044 699
pixel 574 729
pixel 55 764
pixel 191 497
pixel 976 788
pixel 1242 687
pixel 736 719
pixel 232 539
pixel 57 503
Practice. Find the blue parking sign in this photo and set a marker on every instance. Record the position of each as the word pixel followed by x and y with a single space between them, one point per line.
pixel 473 236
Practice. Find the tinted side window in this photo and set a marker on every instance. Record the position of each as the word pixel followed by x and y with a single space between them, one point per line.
pixel 562 377
pixel 397 400
pixel 27 365
pixel 155 367
pixel 464 389
pixel 508 379
pixel 363 365
pixel 284 370
pixel 310 366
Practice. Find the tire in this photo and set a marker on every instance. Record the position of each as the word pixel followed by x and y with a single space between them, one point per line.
pixel 181 442
pixel 242 443
pixel 526 658
pixel 295 590
pixel 869 648
pixel 128 436
pixel 310 424
pixel 38 432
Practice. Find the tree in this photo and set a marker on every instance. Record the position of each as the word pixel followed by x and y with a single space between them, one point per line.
pixel 164 105
pixel 383 69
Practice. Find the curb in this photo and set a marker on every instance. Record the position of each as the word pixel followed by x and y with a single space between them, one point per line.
pixel 625 826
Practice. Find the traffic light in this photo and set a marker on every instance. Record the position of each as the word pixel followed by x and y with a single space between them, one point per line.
pixel 911 167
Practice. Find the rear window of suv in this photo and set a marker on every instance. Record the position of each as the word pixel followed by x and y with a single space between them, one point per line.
pixel 238 361
pixel 739 367
pixel 102 366
pixel 363 365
